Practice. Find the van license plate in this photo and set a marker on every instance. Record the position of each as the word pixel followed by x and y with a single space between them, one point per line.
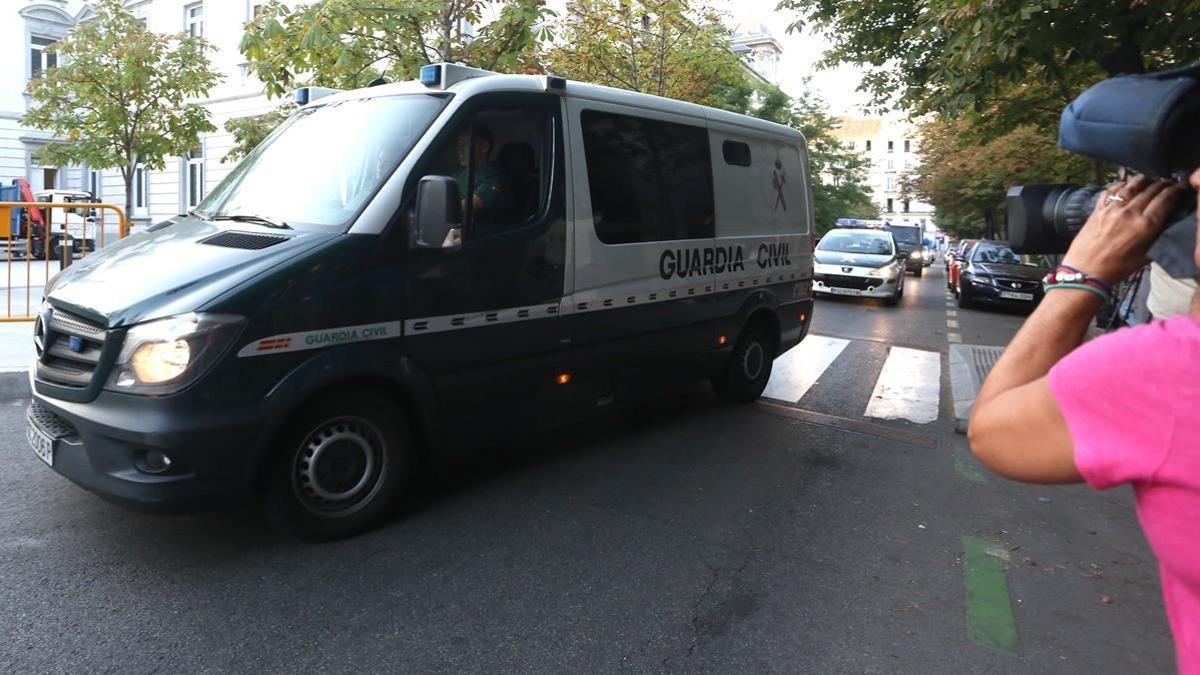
pixel 42 444
pixel 1016 296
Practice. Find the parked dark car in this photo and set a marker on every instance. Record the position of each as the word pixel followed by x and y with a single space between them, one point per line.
pixel 991 272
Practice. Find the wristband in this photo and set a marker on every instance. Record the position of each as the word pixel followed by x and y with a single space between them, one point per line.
pixel 1104 285
pixel 1069 277
pixel 1079 287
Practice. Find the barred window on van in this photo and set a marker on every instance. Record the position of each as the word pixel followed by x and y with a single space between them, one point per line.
pixel 736 153
pixel 649 180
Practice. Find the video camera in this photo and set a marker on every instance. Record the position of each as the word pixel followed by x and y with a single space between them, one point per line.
pixel 1149 123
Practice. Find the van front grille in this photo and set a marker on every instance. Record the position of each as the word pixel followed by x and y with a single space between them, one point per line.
pixel 68 348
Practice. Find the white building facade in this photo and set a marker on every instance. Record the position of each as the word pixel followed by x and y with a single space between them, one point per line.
pixel 889 144
pixel 28 25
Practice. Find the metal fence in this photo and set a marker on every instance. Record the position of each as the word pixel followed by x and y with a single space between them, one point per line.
pixel 41 238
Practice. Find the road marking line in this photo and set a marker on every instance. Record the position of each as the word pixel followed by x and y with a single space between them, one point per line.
pixel 954 337
pixel 909 386
pixel 951 312
pixel 990 620
pixel 951 323
pixel 794 373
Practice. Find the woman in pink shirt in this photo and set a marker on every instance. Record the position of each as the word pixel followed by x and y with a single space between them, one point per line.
pixel 1124 408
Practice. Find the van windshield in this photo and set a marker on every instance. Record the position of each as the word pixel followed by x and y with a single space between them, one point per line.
pixel 906 235
pixel 325 162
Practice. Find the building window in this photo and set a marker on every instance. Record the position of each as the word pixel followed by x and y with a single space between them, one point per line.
pixel 194 19
pixel 139 187
pixel 850 144
pixel 39 58
pixel 649 180
pixel 906 206
pixel 906 147
pixel 256 9
pixel 868 146
pixel 891 183
pixel 891 164
pixel 195 177
pixel 889 205
pixel 890 144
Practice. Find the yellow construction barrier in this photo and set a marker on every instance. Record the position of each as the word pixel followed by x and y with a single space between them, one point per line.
pixel 37 252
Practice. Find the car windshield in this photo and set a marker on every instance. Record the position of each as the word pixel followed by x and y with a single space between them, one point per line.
pixel 325 162
pixel 906 235
pixel 866 243
pixel 1001 255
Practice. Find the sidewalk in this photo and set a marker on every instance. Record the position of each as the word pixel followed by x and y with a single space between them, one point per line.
pixel 16 353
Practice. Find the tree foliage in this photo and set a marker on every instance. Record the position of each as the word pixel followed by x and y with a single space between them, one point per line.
pixel 349 43
pixel 952 56
pixel 673 48
pixel 119 95
pixel 966 177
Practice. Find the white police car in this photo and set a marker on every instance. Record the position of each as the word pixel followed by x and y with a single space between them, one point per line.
pixel 859 262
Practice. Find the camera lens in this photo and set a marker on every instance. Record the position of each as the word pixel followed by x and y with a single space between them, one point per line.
pixel 1069 210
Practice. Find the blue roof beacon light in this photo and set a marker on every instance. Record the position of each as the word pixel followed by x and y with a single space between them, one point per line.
pixel 445 75
pixel 431 75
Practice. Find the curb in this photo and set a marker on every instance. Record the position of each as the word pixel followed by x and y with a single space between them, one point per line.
pixel 14 385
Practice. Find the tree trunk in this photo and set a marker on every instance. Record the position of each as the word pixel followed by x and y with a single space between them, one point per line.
pixel 127 175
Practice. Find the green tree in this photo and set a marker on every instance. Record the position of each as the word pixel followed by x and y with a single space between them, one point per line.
pixel 119 96
pixel 966 177
pixel 1023 59
pixel 673 48
pixel 349 43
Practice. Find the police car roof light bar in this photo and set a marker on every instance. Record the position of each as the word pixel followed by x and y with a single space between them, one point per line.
pixel 306 95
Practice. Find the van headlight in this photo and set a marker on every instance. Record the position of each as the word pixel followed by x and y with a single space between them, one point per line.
pixel 161 357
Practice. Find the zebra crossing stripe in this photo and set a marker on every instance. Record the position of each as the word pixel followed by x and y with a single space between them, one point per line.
pixel 909 386
pixel 794 373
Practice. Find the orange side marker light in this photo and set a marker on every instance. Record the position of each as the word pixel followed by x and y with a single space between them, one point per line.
pixel 563 378
pixel 721 339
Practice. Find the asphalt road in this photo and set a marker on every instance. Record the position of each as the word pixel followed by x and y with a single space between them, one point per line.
pixel 685 535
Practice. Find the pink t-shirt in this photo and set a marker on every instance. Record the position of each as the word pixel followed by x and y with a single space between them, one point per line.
pixel 1132 402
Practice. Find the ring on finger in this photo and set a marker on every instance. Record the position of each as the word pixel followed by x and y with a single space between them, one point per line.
pixel 1114 198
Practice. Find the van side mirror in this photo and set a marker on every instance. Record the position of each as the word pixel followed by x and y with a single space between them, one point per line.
pixel 437 220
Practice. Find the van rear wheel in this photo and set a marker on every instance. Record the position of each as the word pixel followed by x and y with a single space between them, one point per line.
pixel 338 467
pixel 749 367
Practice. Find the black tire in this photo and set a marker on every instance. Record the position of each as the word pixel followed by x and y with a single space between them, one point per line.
pixel 895 298
pixel 370 457
pixel 964 299
pixel 749 367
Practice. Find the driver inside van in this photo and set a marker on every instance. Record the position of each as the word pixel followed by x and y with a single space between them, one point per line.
pixel 492 194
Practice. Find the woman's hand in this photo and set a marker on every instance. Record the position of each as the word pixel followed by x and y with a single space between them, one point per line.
pixel 1128 218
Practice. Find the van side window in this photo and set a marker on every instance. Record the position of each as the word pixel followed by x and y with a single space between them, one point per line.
pixel 507 183
pixel 649 180
pixel 736 153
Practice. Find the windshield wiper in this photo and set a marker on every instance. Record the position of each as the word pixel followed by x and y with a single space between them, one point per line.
pixel 248 218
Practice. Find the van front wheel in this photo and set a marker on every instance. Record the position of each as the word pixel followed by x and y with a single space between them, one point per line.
pixel 749 367
pixel 338 467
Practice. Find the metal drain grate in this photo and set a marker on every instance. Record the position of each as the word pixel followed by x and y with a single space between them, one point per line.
pixel 969 367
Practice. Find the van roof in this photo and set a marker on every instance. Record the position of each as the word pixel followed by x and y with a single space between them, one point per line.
pixel 574 89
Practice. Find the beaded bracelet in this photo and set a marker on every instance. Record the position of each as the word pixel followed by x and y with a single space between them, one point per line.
pixel 1065 276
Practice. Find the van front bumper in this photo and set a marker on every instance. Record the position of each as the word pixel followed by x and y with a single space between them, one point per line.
pixel 103 446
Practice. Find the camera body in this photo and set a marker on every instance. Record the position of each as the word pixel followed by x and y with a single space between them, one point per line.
pixel 1144 122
